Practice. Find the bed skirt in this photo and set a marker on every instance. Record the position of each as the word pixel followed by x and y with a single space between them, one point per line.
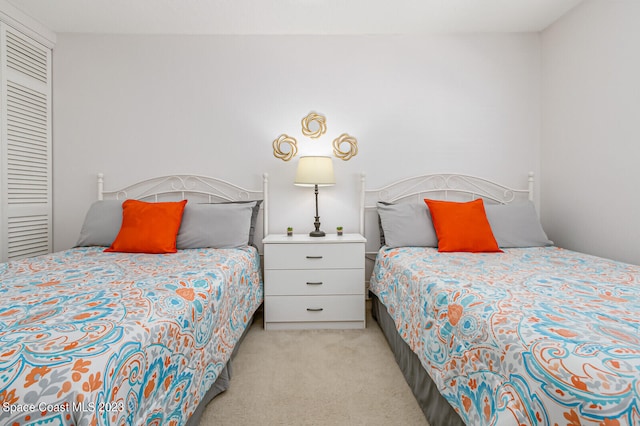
pixel 436 409
pixel 222 382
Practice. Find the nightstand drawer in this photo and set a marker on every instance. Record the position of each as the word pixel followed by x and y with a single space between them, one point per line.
pixel 314 308
pixel 313 256
pixel 313 282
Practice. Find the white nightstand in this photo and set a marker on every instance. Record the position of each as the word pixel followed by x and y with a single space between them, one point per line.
pixel 314 282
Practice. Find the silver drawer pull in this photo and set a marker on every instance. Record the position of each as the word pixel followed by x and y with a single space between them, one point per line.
pixel 314 257
pixel 314 309
pixel 314 282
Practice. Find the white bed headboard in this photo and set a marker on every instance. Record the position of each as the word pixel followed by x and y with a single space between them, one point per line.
pixel 201 189
pixel 447 186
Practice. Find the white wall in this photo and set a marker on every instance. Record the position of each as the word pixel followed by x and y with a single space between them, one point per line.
pixel 590 132
pixel 135 107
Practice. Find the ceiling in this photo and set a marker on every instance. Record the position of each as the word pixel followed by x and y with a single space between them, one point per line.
pixel 294 16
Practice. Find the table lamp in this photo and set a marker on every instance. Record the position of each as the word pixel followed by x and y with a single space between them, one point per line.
pixel 315 171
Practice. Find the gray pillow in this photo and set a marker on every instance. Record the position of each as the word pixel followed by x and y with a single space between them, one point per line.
pixel 254 217
pixel 407 224
pixel 516 225
pixel 102 224
pixel 223 225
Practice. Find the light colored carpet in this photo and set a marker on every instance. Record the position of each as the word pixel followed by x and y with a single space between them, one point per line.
pixel 321 377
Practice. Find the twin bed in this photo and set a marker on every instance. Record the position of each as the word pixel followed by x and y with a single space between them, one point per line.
pixel 93 337
pixel 532 334
pixel 527 334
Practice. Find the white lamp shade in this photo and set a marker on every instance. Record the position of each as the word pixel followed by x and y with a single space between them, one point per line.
pixel 315 171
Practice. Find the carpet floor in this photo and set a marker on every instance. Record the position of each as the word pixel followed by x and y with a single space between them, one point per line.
pixel 315 377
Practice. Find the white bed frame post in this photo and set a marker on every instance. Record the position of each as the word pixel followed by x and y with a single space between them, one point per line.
pixel 362 201
pixel 100 186
pixel 265 204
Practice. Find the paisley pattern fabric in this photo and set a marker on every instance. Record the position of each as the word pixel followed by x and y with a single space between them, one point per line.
pixel 94 338
pixel 533 336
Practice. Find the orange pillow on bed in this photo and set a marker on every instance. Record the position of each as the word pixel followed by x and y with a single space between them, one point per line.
pixel 148 227
pixel 462 226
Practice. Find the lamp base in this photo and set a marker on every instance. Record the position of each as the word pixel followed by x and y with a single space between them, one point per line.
pixel 317 232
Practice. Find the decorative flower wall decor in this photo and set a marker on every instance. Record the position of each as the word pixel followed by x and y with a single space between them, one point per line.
pixel 314 120
pixel 287 154
pixel 353 147
pixel 314 125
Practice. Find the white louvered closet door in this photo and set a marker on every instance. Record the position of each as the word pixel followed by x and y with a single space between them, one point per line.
pixel 25 146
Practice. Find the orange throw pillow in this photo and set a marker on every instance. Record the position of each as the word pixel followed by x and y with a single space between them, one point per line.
pixel 462 226
pixel 148 227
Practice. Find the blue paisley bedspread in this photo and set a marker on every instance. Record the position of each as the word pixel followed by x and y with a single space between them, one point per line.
pixel 534 336
pixel 93 338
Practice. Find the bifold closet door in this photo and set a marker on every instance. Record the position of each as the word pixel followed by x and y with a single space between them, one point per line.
pixel 25 146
